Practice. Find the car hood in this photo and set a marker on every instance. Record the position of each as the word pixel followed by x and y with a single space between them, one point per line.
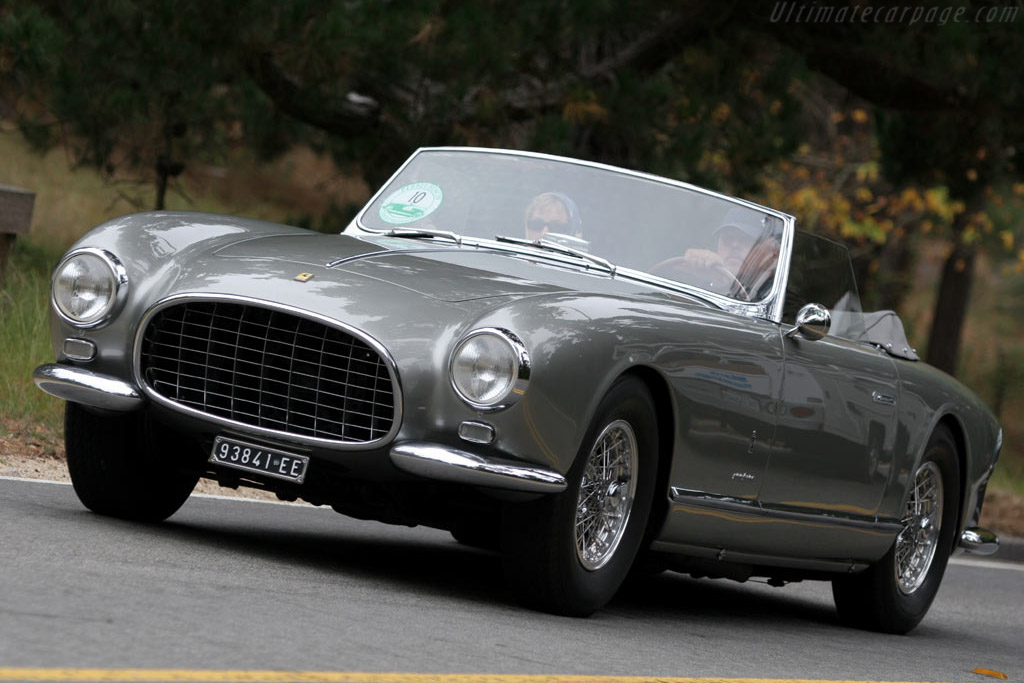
pixel 449 273
pixel 407 296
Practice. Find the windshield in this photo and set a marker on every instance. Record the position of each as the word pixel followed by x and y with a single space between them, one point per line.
pixel 642 223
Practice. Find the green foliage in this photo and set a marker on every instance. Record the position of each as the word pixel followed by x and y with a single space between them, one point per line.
pixel 135 85
pixel 31 44
pixel 25 337
pixel 156 85
pixel 696 91
pixel 1009 474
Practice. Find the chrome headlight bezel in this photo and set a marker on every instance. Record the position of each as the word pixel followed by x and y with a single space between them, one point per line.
pixel 118 281
pixel 515 381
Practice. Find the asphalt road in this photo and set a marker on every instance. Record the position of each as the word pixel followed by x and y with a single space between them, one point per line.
pixel 233 584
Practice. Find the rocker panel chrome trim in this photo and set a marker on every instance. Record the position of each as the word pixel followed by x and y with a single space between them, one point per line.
pixel 751 507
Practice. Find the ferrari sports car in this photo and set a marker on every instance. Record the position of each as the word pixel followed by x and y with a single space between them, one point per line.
pixel 591 370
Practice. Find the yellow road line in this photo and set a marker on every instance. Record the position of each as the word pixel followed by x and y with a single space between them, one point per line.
pixel 241 676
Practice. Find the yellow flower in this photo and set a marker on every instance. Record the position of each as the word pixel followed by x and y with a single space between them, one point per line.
pixel 1007 237
pixel 912 199
pixel 584 111
pixel 867 172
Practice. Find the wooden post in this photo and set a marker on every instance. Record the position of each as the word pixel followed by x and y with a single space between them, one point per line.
pixel 15 219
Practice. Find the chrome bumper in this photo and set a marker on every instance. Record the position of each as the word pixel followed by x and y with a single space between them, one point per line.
pixel 87 387
pixel 451 464
pixel 978 541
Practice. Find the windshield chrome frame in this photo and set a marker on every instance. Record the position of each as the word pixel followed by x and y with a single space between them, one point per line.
pixel 769 308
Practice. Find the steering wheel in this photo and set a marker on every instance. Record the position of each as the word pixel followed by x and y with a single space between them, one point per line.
pixel 670 267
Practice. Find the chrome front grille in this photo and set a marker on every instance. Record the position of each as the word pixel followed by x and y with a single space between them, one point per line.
pixel 268 368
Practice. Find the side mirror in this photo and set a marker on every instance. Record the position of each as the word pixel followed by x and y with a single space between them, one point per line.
pixel 812 322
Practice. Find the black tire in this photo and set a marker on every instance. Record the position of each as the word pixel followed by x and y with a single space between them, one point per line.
pixel 539 539
pixel 478 533
pixel 117 466
pixel 874 599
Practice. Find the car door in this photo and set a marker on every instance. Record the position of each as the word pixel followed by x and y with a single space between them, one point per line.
pixel 836 431
pixel 727 378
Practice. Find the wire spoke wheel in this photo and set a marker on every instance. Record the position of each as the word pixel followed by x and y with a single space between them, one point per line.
pixel 894 593
pixel 922 521
pixel 569 553
pixel 606 494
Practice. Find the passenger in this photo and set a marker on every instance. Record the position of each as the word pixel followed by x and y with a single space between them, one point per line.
pixel 552 212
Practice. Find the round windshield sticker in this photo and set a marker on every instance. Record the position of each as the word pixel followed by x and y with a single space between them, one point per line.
pixel 411 203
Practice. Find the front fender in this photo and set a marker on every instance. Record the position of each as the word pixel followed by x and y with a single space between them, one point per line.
pixel 930 397
pixel 578 347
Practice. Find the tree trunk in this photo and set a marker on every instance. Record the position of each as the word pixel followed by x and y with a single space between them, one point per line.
pixel 161 186
pixel 951 305
pixel 893 278
pixel 6 247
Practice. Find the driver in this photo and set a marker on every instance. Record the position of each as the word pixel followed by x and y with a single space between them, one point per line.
pixel 552 212
pixel 734 240
pixel 743 259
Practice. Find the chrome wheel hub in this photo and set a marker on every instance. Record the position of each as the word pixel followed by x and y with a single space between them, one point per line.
pixel 606 495
pixel 922 521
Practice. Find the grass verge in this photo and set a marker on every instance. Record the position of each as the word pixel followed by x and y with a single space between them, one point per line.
pixel 25 338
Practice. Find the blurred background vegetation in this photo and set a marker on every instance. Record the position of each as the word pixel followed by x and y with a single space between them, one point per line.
pixel 898 136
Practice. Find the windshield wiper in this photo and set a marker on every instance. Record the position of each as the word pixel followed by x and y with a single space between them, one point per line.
pixel 542 243
pixel 408 233
pixel 416 233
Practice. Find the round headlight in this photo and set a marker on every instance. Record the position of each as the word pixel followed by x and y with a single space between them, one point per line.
pixel 490 368
pixel 87 285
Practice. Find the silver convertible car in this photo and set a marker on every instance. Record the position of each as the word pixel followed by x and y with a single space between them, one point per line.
pixel 593 371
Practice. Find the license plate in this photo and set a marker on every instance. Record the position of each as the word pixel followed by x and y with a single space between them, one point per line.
pixel 253 458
